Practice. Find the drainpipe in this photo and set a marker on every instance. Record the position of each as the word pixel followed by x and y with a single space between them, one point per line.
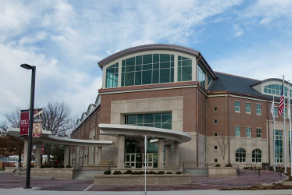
pixel 197 128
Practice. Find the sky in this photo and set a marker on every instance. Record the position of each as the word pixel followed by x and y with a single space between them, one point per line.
pixel 66 39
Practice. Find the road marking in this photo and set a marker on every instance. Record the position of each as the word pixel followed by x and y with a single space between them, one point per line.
pixel 88 187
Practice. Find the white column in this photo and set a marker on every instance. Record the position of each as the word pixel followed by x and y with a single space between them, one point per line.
pixel 99 154
pixel 160 153
pixel 77 155
pixel 121 152
pixel 38 154
pixel 66 156
pixel 25 147
pixel 175 155
pixel 167 156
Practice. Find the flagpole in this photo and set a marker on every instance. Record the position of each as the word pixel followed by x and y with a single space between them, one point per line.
pixel 145 161
pixel 274 136
pixel 285 133
pixel 289 115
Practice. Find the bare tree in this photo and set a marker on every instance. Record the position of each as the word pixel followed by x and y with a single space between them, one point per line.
pixel 13 118
pixel 223 143
pixel 57 119
pixel 3 128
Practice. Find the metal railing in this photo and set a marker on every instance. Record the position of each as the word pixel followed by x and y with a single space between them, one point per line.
pixel 77 168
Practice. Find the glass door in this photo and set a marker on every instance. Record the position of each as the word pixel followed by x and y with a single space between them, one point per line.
pixel 130 160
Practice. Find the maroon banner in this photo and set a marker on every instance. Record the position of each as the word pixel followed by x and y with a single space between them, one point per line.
pixel 24 122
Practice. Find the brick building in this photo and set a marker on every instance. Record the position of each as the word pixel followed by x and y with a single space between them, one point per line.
pixel 192 115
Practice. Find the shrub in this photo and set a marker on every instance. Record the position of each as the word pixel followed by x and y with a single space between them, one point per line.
pixel 128 172
pixel 160 172
pixel 228 165
pixel 108 172
pixel 68 166
pixel 117 173
pixel 169 172
pixel 178 172
pixel 137 173
pixel 61 166
pixel 217 165
pixel 151 172
pixel 141 172
pixel 55 166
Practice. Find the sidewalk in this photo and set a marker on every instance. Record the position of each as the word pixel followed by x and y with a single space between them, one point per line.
pixel 246 178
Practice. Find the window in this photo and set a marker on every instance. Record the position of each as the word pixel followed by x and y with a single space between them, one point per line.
pixel 259 133
pixel 184 69
pixel 276 89
pixel 237 106
pixel 112 76
pixel 275 111
pixel 240 155
pixel 158 120
pixel 279 146
pixel 215 147
pixel 215 160
pixel 215 108
pixel 148 69
pixel 215 134
pixel 201 75
pixel 259 109
pixel 248 132
pixel 215 121
pixel 237 131
pixel 257 156
pixel 248 108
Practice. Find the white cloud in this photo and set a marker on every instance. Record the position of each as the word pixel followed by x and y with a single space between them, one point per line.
pixel 238 31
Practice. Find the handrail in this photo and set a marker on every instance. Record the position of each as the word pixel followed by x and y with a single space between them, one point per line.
pixel 78 168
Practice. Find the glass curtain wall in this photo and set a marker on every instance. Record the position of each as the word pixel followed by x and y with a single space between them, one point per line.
pixel 148 69
pixel 158 120
pixel 275 89
pixel 112 74
pixel 201 75
pixel 184 69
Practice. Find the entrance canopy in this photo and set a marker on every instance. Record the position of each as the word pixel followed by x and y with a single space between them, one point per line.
pixel 46 137
pixel 117 129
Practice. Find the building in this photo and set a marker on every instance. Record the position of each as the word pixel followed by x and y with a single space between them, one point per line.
pixel 192 115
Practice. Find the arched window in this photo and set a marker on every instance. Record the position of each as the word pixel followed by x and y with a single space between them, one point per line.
pixel 275 89
pixel 256 155
pixel 240 155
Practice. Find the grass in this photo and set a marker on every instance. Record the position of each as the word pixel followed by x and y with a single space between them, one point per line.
pixel 2 169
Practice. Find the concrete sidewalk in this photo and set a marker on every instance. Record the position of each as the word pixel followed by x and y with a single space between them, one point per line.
pixel 17 191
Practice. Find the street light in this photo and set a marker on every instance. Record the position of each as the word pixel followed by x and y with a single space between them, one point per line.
pixel 33 68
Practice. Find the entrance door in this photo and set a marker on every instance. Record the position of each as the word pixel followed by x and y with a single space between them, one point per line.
pixel 150 160
pixel 130 160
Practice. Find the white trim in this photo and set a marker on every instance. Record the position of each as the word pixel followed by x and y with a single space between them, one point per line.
pixel 117 129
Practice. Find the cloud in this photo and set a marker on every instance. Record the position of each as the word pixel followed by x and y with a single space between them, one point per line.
pixel 238 31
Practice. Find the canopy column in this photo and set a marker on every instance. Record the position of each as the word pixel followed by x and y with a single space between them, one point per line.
pixel 160 153
pixel 167 156
pixel 38 155
pixel 121 152
pixel 66 156
pixel 175 154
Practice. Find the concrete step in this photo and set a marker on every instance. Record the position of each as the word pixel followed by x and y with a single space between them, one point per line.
pixel 87 175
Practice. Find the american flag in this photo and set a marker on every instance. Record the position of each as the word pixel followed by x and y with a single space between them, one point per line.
pixel 281 106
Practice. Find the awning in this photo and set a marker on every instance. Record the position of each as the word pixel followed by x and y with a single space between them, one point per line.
pixel 46 137
pixel 117 129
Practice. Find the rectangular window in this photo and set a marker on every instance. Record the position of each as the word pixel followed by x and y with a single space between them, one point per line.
pixel 248 132
pixel 215 147
pixel 237 106
pixel 215 121
pixel 158 120
pixel 237 131
pixel 259 109
pixel 112 76
pixel 279 146
pixel 184 69
pixel 259 133
pixel 201 75
pixel 248 107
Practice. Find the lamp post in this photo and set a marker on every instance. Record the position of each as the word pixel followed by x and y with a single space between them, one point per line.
pixel 33 68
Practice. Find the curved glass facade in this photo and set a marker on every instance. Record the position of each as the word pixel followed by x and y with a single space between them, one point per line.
pixel 275 89
pixel 112 74
pixel 148 69
pixel 184 69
